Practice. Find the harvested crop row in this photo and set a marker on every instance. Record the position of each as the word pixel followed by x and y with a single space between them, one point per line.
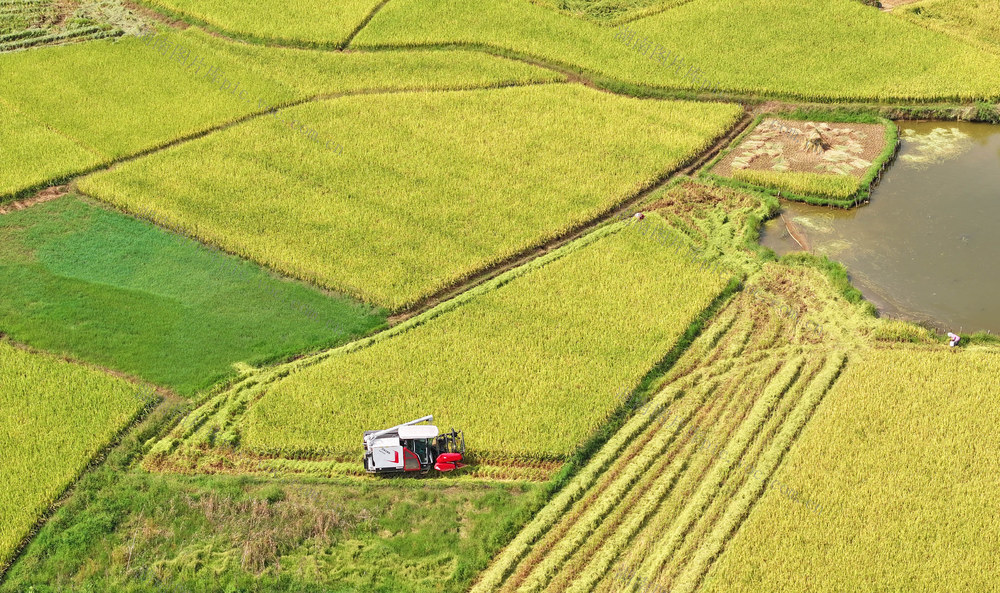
pixel 663 501
pixel 904 449
pixel 669 515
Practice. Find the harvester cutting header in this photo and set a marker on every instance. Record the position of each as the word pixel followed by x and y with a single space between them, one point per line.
pixel 412 447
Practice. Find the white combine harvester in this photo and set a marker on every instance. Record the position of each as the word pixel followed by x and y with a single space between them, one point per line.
pixel 413 447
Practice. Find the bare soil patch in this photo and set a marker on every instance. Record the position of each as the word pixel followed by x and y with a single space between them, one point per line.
pixel 806 146
pixel 46 195
pixel 890 4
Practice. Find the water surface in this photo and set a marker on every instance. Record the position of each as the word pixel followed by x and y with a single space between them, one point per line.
pixel 927 247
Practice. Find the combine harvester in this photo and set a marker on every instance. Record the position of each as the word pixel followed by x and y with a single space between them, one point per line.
pixel 412 448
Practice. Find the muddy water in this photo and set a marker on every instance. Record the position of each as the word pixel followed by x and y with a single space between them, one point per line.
pixel 927 247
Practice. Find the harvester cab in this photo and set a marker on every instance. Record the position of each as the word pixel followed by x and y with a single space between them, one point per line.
pixel 413 447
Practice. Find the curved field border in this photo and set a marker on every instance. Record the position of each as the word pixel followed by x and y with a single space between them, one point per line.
pixel 129 99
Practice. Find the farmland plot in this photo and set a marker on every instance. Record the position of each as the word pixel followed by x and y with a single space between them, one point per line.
pixel 833 49
pixel 906 450
pixel 659 501
pixel 814 161
pixel 321 22
pixel 118 99
pixel 522 351
pixel 33 154
pixel 430 189
pixel 54 416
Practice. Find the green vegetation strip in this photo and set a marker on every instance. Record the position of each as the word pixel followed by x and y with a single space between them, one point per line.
pixel 431 188
pixel 103 287
pixel 54 417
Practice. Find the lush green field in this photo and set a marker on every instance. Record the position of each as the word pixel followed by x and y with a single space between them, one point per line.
pixel 826 49
pixel 975 19
pixel 322 22
pixel 103 287
pixel 131 531
pixel 528 369
pixel 430 188
pixel 905 451
pixel 54 416
pixel 121 98
pixel 33 154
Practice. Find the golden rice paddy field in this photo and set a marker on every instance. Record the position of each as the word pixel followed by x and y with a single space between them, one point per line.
pixel 236 236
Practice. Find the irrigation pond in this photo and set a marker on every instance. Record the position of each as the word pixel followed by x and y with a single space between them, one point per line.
pixel 926 248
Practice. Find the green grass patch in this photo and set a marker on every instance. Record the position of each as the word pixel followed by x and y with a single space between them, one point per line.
pixel 127 530
pixel 822 185
pixel 103 287
pixel 529 366
pixel 54 417
pixel 831 50
pixel 430 188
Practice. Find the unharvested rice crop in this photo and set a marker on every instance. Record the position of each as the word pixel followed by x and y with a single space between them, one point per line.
pixel 33 154
pixel 54 416
pixel 117 99
pixel 322 22
pixel 528 369
pixel 430 188
pixel 822 185
pixel 610 11
pixel 905 448
pixel 830 49
pixel 655 506
pixel 975 19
